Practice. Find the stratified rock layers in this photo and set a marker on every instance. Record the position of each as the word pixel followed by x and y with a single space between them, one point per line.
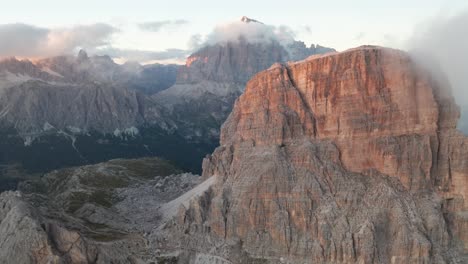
pixel 351 157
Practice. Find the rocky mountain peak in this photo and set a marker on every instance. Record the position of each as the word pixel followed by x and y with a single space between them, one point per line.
pixel 82 56
pixel 249 20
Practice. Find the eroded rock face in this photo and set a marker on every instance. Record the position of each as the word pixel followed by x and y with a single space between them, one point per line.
pixel 20 231
pixel 29 238
pixel 38 106
pixel 344 158
pixel 92 214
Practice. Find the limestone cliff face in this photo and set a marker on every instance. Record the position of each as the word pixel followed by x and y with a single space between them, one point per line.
pixel 369 100
pixel 231 62
pixel 351 157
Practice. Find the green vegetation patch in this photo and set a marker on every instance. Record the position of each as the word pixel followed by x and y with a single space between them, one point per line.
pixel 77 199
pixel 104 181
pixel 148 168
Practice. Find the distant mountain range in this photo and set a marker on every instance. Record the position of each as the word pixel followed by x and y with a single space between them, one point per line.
pixel 73 110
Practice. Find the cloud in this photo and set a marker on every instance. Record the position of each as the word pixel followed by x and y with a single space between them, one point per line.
pixel 195 42
pixel 176 55
pixel 87 37
pixel 156 26
pixel 21 39
pixel 444 39
pixel 253 32
pixel 28 41
pixel 31 41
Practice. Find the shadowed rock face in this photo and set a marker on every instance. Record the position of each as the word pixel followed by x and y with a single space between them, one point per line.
pixel 352 157
pixel 237 62
pixel 231 62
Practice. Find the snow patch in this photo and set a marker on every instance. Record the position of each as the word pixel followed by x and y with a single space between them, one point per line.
pixel 131 132
pixel 74 130
pixel 28 140
pixel 47 126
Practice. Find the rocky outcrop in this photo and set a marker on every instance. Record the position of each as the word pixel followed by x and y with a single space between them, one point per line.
pixel 92 214
pixel 27 237
pixel 351 157
pixel 20 230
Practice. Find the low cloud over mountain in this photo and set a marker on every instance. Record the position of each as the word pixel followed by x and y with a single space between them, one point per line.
pixel 30 41
pixel 250 29
pixel 444 39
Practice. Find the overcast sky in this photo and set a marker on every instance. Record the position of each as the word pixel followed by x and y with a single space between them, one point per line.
pixel 167 30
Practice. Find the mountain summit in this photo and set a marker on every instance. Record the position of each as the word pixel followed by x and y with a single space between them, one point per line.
pixel 249 20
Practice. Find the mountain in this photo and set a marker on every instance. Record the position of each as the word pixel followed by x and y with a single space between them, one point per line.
pixel 350 157
pixel 343 158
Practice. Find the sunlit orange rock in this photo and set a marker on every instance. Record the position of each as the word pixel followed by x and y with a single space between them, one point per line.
pixel 351 157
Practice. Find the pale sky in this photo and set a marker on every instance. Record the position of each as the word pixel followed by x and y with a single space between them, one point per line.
pixel 337 24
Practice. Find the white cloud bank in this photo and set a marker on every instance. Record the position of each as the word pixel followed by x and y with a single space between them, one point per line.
pixel 24 40
pixel 445 40
pixel 28 41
